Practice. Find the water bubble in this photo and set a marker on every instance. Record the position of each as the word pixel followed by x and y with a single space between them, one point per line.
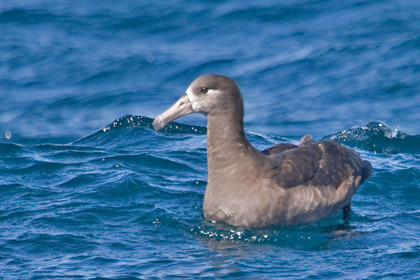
pixel 150 58
pixel 8 134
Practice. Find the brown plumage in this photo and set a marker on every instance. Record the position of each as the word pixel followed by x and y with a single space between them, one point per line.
pixel 282 185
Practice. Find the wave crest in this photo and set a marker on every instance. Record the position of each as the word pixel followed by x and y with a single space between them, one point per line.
pixel 119 128
pixel 375 137
pixel 378 138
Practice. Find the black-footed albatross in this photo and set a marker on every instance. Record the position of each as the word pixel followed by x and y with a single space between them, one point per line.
pixel 282 185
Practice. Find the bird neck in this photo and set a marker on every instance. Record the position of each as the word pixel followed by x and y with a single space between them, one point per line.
pixel 228 150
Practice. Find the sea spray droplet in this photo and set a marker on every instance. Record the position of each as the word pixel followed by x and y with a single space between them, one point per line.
pixel 8 135
pixel 150 58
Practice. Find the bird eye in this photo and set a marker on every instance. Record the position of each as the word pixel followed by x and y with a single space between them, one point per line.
pixel 204 90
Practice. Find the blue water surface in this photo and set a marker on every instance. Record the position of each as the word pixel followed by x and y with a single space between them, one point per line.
pixel 88 190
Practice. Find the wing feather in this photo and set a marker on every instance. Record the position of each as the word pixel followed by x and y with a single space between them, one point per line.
pixel 320 164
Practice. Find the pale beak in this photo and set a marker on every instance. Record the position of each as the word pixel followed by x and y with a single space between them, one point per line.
pixel 180 108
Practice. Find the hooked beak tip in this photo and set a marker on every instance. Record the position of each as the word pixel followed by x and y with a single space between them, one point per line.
pixel 158 124
pixel 180 108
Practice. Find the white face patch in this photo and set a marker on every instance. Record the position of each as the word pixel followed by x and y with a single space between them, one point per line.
pixel 199 102
pixel 211 91
pixel 196 107
pixel 193 99
pixel 191 95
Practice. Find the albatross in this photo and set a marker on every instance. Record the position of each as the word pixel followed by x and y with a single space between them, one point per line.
pixel 283 185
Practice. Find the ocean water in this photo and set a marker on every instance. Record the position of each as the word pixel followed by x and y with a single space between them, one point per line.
pixel 88 190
